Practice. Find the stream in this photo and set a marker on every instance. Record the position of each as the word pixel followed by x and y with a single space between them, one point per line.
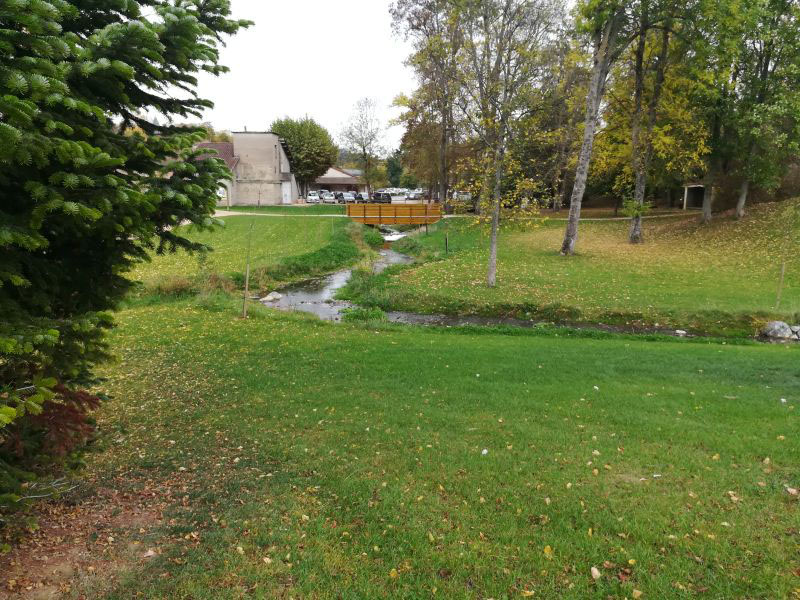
pixel 318 297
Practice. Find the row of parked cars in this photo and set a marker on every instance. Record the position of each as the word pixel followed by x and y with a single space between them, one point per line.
pixel 327 197
pixel 384 196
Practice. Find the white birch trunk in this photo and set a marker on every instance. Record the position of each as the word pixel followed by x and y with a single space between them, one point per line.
pixel 743 192
pixel 604 39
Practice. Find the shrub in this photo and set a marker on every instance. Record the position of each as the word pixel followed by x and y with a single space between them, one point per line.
pixel 43 438
pixel 373 237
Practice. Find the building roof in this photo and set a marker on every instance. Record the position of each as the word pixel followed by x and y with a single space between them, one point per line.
pixel 224 150
pixel 334 175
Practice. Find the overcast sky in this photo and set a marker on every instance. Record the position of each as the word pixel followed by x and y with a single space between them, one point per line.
pixel 308 57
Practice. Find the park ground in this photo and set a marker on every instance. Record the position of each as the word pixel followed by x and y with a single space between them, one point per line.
pixel 281 456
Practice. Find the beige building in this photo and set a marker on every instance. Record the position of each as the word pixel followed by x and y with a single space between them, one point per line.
pixel 262 174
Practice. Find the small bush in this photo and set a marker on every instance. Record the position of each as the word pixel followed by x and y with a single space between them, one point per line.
pixel 408 245
pixel 176 286
pixel 215 282
pixel 373 237
pixel 41 441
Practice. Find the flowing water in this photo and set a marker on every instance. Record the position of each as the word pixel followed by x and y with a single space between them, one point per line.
pixel 318 297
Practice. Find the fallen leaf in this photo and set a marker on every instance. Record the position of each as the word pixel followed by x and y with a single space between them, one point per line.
pixel 595 573
pixel 548 553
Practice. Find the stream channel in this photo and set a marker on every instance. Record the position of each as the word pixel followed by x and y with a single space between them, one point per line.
pixel 318 297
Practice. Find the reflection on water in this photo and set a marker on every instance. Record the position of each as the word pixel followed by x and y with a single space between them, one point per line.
pixel 316 296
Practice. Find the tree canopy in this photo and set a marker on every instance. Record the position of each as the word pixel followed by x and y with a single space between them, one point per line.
pixel 311 148
pixel 91 182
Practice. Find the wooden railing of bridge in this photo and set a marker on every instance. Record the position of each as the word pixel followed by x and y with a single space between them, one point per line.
pixel 395 214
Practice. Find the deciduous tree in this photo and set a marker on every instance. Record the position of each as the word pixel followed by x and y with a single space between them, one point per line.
pixel 362 136
pixel 311 148
pixel 503 41
pixel 607 22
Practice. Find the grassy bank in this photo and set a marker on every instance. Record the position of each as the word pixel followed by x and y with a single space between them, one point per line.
pixel 720 279
pixel 282 250
pixel 297 458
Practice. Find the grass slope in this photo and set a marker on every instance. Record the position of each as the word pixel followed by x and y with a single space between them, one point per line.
pixel 304 459
pixel 282 250
pixel 718 279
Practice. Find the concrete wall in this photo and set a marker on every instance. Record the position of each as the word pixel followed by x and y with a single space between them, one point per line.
pixel 263 166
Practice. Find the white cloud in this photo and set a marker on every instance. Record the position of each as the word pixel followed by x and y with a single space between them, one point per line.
pixel 308 57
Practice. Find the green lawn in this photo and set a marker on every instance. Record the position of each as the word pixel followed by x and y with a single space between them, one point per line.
pixel 303 459
pixel 303 209
pixel 273 240
pixel 719 279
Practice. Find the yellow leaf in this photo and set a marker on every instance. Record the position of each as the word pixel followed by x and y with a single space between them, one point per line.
pixel 393 573
pixel 548 553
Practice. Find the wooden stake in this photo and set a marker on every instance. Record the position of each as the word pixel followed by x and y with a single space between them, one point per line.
pixel 247 271
pixel 780 285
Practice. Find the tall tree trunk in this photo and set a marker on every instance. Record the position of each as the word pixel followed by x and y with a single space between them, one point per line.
pixel 491 276
pixel 603 43
pixel 642 142
pixel 743 191
pixel 443 162
pixel 635 234
pixel 708 201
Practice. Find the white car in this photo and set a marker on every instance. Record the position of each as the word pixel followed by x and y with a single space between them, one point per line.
pixel 312 198
pixel 348 197
pixel 328 198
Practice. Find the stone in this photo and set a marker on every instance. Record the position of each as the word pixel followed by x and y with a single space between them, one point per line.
pixel 272 297
pixel 777 330
pixel 795 328
pixel 680 332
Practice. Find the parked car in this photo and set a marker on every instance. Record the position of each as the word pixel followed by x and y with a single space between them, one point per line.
pixel 382 197
pixel 312 197
pixel 347 197
pixel 338 195
pixel 328 198
pixel 362 197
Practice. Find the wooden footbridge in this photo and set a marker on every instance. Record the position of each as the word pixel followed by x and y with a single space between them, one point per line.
pixel 395 214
